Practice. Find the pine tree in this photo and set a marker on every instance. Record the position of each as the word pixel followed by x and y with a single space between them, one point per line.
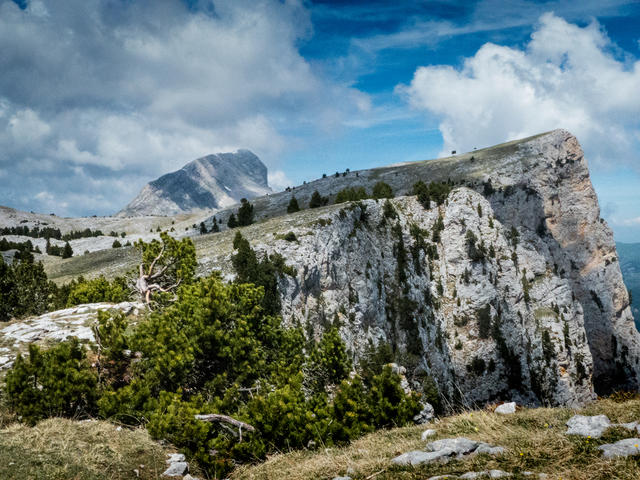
pixel 232 223
pixel 245 213
pixel 293 205
pixel 317 200
pixel 203 228
pixel 67 251
pixel 215 228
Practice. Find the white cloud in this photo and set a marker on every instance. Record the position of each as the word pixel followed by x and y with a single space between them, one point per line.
pixel 567 76
pixel 141 88
pixel 627 222
pixel 278 180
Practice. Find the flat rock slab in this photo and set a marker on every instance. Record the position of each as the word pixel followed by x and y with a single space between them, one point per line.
pixel 486 474
pixel 506 408
pixel 446 449
pixel 622 448
pixel 459 446
pixel 586 426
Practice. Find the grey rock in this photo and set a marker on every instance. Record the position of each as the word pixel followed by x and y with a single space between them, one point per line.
pixel 489 450
pixel 341 478
pixel 506 408
pixel 426 414
pixel 622 448
pixel 445 449
pixel 175 457
pixel 485 474
pixel 189 477
pixel 176 469
pixel 418 457
pixel 428 433
pixel 459 446
pixel 211 182
pixel 588 426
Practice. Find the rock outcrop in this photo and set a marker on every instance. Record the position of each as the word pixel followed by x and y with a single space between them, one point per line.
pixel 542 316
pixel 211 182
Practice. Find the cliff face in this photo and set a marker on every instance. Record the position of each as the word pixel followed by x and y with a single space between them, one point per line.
pixel 541 316
pixel 214 181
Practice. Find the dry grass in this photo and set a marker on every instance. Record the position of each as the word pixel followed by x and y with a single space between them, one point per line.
pixel 534 438
pixel 61 449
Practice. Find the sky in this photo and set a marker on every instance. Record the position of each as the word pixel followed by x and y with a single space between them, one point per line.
pixel 98 97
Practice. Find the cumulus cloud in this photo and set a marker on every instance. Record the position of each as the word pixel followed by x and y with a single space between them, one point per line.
pixel 93 89
pixel 567 76
pixel 278 180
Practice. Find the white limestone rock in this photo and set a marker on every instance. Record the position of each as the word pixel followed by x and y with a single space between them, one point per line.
pixel 506 408
pixel 588 426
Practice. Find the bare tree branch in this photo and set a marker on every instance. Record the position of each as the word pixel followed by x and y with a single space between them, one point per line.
pixel 218 418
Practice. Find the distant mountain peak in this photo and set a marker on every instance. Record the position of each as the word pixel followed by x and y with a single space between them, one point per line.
pixel 213 181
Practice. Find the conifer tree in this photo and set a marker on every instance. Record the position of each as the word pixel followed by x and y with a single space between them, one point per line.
pixel 232 223
pixel 293 205
pixel 245 213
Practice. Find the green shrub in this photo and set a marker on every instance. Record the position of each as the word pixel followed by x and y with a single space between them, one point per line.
pixel 98 290
pixel 382 190
pixel 351 194
pixel 484 321
pixel 53 383
pixel 435 191
pixel 245 213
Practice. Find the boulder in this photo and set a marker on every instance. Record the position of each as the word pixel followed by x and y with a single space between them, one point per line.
pixel 506 408
pixel 428 433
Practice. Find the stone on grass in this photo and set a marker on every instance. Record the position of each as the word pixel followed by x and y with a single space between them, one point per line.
pixel 428 433
pixel 485 474
pixel 506 408
pixel 426 414
pixel 176 469
pixel 175 457
pixel 418 457
pixel 622 448
pixel 586 426
pixel 446 449
pixel 341 478
pixel 459 446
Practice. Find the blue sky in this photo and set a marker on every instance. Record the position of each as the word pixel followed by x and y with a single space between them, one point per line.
pixel 98 97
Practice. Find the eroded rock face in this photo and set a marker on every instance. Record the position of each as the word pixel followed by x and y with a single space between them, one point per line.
pixel 214 181
pixel 539 315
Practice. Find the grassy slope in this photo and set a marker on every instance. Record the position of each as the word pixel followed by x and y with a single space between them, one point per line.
pixel 534 438
pixel 60 449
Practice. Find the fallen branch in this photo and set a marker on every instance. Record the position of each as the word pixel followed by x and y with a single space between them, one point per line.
pixel 218 418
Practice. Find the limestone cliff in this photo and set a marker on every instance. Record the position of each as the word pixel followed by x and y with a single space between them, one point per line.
pixel 543 317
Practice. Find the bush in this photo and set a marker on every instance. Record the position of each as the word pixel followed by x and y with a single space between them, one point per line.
pixel 484 321
pixel 116 244
pixel 98 290
pixel 351 194
pixel 55 383
pixel 24 289
pixel 382 190
pixel 435 191
pixel 291 237
pixel 318 200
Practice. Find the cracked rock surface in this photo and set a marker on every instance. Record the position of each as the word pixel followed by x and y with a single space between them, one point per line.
pixel 446 449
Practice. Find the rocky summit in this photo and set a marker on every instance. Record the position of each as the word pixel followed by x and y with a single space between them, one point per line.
pixel 211 182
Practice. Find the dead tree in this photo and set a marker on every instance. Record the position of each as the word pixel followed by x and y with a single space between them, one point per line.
pixel 149 281
pixel 224 419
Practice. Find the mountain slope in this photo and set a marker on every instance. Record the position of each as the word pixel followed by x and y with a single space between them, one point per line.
pixel 542 316
pixel 214 181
